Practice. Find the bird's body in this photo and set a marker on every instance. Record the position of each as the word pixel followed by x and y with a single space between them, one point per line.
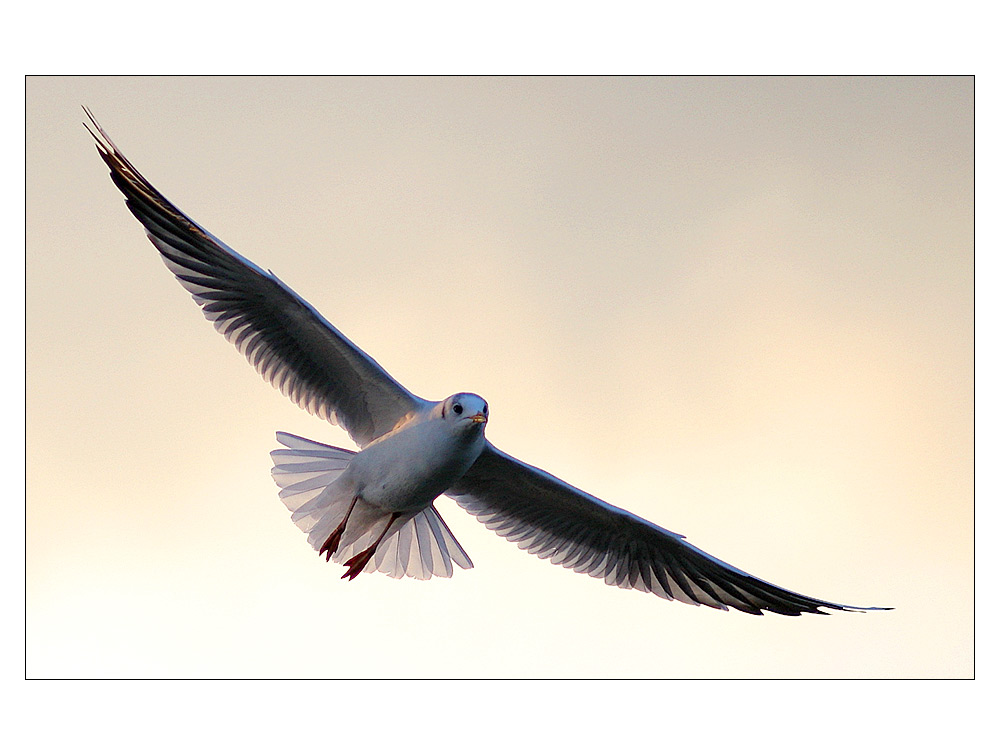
pixel 406 469
pixel 385 485
pixel 374 509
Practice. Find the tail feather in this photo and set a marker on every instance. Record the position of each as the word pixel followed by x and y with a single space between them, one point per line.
pixel 418 545
pixel 312 447
pixel 305 472
pixel 421 547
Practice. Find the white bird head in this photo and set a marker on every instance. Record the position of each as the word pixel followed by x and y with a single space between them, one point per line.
pixel 466 410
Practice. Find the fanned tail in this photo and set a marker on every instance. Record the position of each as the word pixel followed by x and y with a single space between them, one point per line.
pixel 418 545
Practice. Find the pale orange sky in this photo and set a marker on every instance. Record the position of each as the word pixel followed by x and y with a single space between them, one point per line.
pixel 741 308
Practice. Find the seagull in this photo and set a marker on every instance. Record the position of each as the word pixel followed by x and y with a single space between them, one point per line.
pixel 373 509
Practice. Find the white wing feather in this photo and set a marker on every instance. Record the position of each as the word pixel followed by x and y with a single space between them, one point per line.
pixel 287 341
pixel 571 528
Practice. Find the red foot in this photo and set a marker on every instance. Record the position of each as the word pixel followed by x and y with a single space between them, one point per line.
pixel 356 564
pixel 333 542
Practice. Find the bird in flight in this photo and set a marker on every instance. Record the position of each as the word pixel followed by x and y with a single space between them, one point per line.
pixel 373 509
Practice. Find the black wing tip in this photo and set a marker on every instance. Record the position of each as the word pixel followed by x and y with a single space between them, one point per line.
pixel 845 609
pixel 104 144
pixel 869 608
pixel 802 611
pixel 93 122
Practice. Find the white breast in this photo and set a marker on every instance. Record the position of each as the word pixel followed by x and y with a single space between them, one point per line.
pixel 408 469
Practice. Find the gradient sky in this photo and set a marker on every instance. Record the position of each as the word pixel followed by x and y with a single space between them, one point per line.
pixel 741 308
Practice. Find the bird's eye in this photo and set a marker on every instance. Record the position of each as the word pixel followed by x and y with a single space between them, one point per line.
pixel 486 408
pixel 457 408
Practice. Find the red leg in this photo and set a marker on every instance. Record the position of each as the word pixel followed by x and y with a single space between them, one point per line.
pixel 333 542
pixel 356 564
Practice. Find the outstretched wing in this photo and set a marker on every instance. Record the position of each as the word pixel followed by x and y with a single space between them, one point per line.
pixel 573 529
pixel 287 341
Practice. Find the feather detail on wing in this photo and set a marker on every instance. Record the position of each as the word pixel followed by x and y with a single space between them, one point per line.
pixel 575 530
pixel 287 341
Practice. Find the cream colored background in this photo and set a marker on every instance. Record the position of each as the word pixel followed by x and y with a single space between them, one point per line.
pixel 741 308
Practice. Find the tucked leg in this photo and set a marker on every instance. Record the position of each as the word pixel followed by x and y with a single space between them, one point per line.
pixel 356 564
pixel 333 542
